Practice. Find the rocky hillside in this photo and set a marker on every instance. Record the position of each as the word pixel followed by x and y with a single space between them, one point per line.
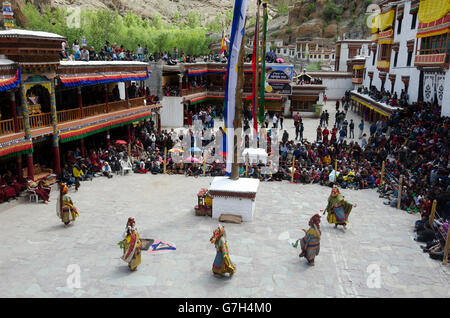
pixel 327 19
pixel 167 9
pixel 289 19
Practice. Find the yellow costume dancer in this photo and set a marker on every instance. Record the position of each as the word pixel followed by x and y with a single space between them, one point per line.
pixel 338 209
pixel 131 246
pixel 222 263
pixel 65 209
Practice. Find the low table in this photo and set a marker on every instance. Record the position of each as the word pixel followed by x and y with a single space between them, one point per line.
pixel 234 197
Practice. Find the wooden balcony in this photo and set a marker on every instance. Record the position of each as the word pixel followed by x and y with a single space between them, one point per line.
pixel 193 90
pixel 45 119
pixel 7 126
pixel 432 60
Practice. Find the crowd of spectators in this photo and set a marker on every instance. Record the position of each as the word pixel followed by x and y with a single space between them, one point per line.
pixel 114 52
pixel 386 97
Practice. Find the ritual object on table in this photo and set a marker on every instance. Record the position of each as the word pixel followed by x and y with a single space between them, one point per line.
pixel 204 206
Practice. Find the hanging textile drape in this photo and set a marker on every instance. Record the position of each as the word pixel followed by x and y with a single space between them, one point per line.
pixel 433 10
pixel 255 74
pixel 263 70
pixel 386 19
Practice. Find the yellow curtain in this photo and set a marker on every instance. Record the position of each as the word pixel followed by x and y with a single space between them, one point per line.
pixel 432 10
pixel 375 23
pixel 386 19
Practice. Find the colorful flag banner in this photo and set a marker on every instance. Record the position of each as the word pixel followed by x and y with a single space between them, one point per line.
pixel 237 32
pixel 255 74
pixel 263 71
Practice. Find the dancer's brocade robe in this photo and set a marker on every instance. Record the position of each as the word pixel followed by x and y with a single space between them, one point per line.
pixel 222 263
pixel 310 244
pixel 338 210
pixel 132 250
pixel 67 212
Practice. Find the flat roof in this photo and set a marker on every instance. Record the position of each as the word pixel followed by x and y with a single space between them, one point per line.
pixel 29 33
pixel 102 63
pixel 4 62
pixel 354 40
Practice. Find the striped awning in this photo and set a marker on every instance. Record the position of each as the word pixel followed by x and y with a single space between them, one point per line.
pixel 205 98
pixel 74 80
pixel 10 82
pixel 87 129
pixel 204 71
pixel 371 107
pixel 15 147
pixel 386 37
pixel 438 27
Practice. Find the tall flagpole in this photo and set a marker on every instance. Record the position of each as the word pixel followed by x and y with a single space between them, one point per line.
pixel 238 109
pixel 233 105
pixel 256 77
pixel 263 70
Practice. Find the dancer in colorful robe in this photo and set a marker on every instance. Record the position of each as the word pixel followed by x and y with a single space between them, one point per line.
pixel 65 208
pixel 222 263
pixel 310 243
pixel 131 245
pixel 338 209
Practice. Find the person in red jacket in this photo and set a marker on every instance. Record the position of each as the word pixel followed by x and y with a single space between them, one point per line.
pixel 325 134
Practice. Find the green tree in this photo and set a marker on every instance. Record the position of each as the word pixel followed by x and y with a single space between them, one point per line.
pixel 282 8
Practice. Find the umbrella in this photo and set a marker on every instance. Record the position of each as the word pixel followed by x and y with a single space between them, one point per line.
pixel 191 159
pixel 194 149
pixel 176 150
pixel 121 142
pixel 279 60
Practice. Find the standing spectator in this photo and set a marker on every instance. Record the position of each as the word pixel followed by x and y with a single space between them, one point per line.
pixel 75 47
pixel 345 126
pixel 361 128
pixel 281 119
pixel 327 116
pixel 146 52
pixel 275 121
pixel 297 129
pixel 342 135
pixel 301 130
pixel 373 129
pixel 352 129
pixel 337 105
pixel 64 50
pixel 140 52
pixel 266 119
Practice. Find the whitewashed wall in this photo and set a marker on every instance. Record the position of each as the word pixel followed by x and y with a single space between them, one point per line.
pixel 402 69
pixel 343 58
pixel 336 87
pixel 229 205
pixel 172 112
pixel 446 100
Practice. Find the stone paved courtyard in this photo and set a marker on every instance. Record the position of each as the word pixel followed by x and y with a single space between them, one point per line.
pixel 36 249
